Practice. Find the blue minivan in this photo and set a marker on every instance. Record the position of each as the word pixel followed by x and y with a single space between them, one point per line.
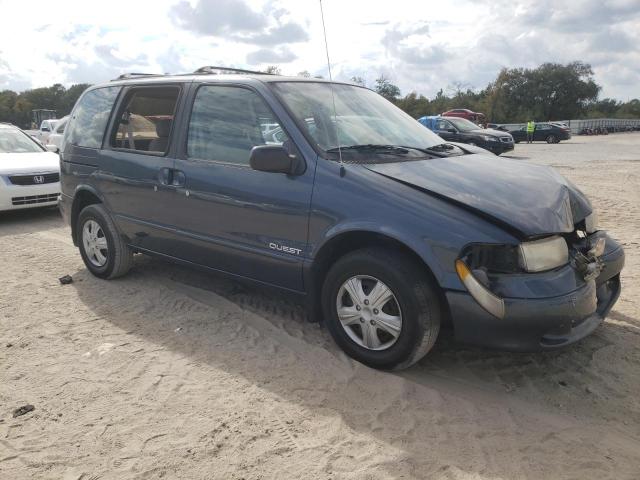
pixel 327 190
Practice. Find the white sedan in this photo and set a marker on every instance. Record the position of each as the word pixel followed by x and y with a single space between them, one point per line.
pixel 29 173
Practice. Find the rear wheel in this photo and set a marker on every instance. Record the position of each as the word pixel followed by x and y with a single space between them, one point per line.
pixel 552 139
pixel 103 251
pixel 381 308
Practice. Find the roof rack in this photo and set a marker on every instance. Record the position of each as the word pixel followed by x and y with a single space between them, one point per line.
pixel 125 76
pixel 218 70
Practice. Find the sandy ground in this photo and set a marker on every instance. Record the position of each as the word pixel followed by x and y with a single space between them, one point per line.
pixel 169 373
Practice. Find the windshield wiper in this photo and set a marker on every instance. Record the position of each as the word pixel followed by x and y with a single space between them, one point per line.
pixel 441 147
pixel 435 149
pixel 372 147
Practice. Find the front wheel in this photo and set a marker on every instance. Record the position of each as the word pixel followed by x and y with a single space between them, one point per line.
pixel 381 308
pixel 103 251
pixel 551 139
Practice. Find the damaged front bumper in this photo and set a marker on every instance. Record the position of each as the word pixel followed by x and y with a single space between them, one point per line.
pixel 537 320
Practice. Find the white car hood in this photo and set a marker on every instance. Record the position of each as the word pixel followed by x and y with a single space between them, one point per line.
pixel 38 162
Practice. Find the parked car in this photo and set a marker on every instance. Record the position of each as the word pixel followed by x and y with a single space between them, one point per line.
pixel 386 236
pixel 461 130
pixel 475 117
pixel 544 132
pixel 497 126
pixel 55 138
pixel 46 127
pixel 29 173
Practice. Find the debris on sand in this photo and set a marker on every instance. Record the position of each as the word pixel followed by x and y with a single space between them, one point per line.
pixel 66 280
pixel 23 410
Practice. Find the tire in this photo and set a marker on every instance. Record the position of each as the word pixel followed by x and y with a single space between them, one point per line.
pixel 117 254
pixel 552 139
pixel 414 299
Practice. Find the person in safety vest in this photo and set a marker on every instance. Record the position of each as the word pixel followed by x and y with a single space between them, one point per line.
pixel 531 127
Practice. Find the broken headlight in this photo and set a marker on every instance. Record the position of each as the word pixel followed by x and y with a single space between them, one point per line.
pixel 492 258
pixel 545 254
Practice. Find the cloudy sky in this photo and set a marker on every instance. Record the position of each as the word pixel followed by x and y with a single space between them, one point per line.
pixel 420 45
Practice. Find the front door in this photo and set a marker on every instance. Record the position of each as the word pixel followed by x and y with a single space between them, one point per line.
pixel 236 219
pixel 446 130
pixel 542 132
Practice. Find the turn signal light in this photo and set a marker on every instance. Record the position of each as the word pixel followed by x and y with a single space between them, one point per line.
pixel 481 294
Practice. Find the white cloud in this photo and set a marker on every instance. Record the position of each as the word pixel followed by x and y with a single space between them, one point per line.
pixel 422 46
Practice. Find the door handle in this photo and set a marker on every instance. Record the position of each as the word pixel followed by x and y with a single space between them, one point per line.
pixel 178 179
pixel 171 177
pixel 164 176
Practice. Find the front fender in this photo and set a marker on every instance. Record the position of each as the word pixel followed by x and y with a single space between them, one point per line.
pixel 419 245
pixel 360 200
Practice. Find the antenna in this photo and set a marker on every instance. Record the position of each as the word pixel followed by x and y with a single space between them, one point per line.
pixel 333 97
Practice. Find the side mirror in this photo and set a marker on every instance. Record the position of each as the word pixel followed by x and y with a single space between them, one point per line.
pixel 274 159
pixel 45 129
pixel 52 148
pixel 452 130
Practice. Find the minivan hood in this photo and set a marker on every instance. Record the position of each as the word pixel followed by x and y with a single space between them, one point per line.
pixel 529 200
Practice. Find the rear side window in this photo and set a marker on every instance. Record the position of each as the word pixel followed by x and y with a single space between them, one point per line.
pixel 227 122
pixel 90 117
pixel 145 120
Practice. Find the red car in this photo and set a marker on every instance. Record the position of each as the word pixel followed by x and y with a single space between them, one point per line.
pixel 475 117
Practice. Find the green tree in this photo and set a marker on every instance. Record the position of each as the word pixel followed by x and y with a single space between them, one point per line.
pixel 273 69
pixel 631 109
pixel 550 92
pixel 607 107
pixel 358 81
pixel 16 107
pixel 387 89
pixel 7 101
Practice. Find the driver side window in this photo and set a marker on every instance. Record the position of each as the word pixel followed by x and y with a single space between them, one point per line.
pixel 443 125
pixel 227 122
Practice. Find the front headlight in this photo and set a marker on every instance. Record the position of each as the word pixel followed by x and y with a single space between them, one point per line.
pixel 545 254
pixel 489 138
pixel 591 222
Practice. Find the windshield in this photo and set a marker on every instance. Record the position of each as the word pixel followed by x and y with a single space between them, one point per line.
pixel 15 141
pixel 463 124
pixel 364 117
